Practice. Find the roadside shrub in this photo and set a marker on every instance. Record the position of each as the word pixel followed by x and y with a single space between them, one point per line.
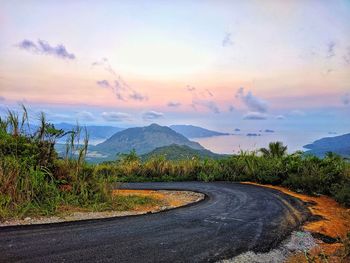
pixel 206 177
pixel 308 174
pixel 210 171
pixel 32 178
pixel 341 193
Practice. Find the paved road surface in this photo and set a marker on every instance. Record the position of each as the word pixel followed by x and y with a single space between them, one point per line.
pixel 232 219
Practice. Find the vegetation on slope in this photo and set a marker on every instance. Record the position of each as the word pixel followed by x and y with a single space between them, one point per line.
pixel 337 144
pixel 33 180
pixel 180 152
pixel 144 140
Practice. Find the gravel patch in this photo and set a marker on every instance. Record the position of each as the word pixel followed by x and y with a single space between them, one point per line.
pixel 298 241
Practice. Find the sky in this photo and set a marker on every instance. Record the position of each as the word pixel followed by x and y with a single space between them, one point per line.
pixel 217 64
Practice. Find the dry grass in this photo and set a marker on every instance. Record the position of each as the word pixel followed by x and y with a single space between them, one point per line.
pixel 169 199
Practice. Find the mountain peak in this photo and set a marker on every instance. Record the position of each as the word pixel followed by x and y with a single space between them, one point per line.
pixel 144 140
pixel 154 125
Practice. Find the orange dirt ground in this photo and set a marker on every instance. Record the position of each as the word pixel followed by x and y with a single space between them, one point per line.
pixel 170 199
pixel 334 222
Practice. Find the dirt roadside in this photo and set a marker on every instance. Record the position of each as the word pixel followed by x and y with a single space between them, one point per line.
pixel 329 225
pixel 167 200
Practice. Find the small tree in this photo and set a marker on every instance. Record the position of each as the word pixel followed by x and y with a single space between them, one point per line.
pixel 129 157
pixel 275 150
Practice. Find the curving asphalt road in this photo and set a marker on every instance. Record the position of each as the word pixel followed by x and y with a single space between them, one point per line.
pixel 232 219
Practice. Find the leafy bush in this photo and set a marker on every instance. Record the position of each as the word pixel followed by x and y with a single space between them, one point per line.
pixel 32 178
pixel 308 174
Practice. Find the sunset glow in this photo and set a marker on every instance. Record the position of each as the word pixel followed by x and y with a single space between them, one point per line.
pixel 185 60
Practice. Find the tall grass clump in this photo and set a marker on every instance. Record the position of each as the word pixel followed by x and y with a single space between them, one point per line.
pixel 33 179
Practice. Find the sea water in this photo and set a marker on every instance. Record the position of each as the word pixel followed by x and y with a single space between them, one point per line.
pixel 228 144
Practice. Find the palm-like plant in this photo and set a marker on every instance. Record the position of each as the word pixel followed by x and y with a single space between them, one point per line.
pixel 25 120
pixel 13 121
pixel 275 150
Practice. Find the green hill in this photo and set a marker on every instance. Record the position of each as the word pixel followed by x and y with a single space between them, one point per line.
pixel 337 144
pixel 180 152
pixel 144 140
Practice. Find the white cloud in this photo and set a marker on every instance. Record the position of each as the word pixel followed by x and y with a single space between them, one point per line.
pixel 122 90
pixel 227 41
pixel 331 49
pixel 203 98
pixel 103 83
pixel 137 96
pixel 116 116
pixel 209 104
pixel 255 116
pixel 152 115
pixel 174 104
pixel 44 48
pixel 252 102
pixel 85 116
pixel 104 63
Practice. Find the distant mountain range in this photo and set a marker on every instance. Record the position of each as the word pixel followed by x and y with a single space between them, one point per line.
pixel 191 131
pixel 337 144
pixel 174 143
pixel 181 152
pixel 144 140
